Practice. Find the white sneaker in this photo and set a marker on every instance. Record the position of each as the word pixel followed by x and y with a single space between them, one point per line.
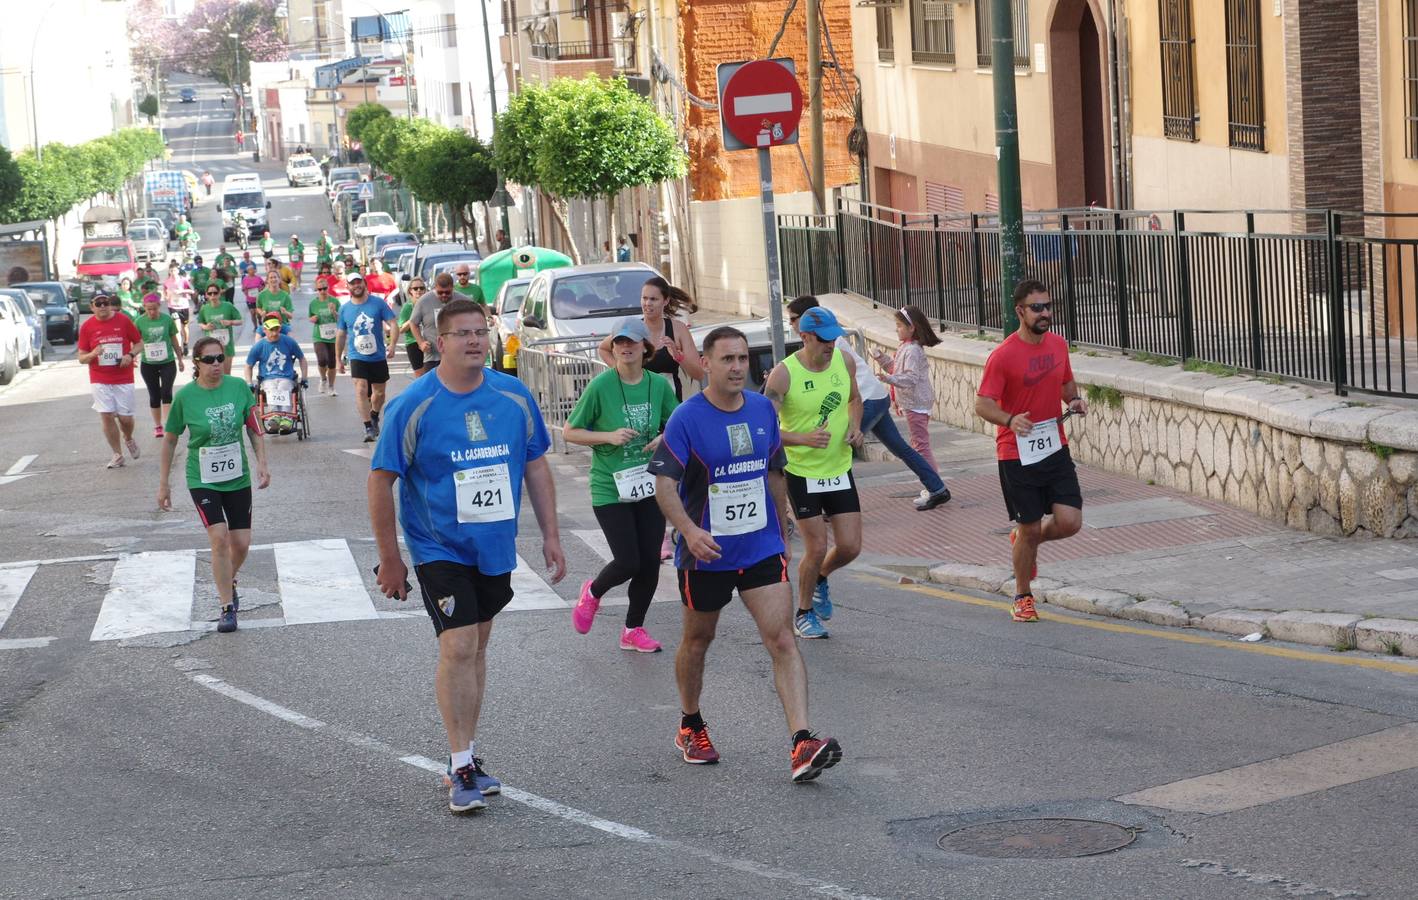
pixel 332 391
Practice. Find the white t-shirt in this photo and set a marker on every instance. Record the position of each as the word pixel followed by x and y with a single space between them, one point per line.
pixel 868 385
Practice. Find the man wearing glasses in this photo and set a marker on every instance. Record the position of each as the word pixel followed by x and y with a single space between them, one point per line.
pixel 106 345
pixel 423 323
pixel 465 286
pixel 1026 379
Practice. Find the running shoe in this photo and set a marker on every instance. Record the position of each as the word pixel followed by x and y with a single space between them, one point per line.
pixel 809 626
pixel 1035 573
pixel 464 794
pixel 487 784
pixel 695 747
pixel 667 548
pixel 1024 609
pixel 332 391
pixel 585 612
pixel 227 623
pixel 822 600
pixel 812 756
pixel 931 501
pixel 116 462
pixel 369 434
pixel 132 445
pixel 158 432
pixel 638 639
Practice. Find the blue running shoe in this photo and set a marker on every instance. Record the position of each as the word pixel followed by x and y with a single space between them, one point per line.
pixel 463 794
pixel 227 623
pixel 822 600
pixel 487 784
pixel 809 626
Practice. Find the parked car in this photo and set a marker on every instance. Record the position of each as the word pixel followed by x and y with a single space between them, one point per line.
pixel 15 352
pixel 507 313
pixel 187 95
pixel 760 345
pixel 382 242
pixel 150 243
pixel 581 301
pixel 343 173
pixel 34 321
pixel 61 311
pixel 393 256
pixel 101 264
pixel 165 214
pixel 332 190
pixel 302 171
pixel 373 224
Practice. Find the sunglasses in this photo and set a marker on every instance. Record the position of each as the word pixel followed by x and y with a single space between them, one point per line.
pixel 212 360
pixel 321 287
pixel 100 304
pixel 1039 307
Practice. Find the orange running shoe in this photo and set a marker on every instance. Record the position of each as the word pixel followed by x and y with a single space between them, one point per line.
pixel 695 747
pixel 1024 609
pixel 812 756
pixel 1012 531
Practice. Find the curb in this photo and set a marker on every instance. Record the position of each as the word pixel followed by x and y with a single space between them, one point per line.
pixel 1337 631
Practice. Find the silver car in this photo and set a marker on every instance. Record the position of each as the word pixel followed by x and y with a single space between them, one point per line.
pixel 507 314
pixel 150 243
pixel 581 301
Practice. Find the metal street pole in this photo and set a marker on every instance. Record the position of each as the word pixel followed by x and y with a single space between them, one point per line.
pixel 1011 208
pixel 492 94
pixel 770 248
pixel 814 99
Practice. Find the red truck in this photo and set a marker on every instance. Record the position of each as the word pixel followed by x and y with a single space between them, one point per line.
pixel 106 254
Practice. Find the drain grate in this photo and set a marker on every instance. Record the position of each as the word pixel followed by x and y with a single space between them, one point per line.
pixel 1037 839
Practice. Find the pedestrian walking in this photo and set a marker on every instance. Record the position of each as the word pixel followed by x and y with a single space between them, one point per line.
pixel 876 415
pixel 622 250
pixel 409 339
pixel 324 312
pixel 621 417
pixel 461 443
pixel 820 418
pixel 107 345
pixel 1027 377
pixel 367 329
pixel 268 245
pixel 423 322
pixel 909 375
pixel 162 358
pixel 213 408
pixel 719 481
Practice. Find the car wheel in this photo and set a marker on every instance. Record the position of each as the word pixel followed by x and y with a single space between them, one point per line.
pixel 74 332
pixel 7 370
pixel 497 358
pixel 38 356
pixel 27 360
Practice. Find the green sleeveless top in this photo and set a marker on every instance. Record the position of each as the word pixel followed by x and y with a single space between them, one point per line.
pixel 818 399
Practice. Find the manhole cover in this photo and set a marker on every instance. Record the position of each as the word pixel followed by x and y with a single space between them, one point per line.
pixel 1036 839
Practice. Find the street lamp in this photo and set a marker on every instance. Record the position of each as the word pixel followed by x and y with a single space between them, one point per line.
pixel 34 104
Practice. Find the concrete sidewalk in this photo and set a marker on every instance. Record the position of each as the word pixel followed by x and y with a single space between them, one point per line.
pixel 1147 553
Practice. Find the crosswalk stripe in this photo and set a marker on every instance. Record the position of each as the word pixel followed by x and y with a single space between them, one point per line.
pixel 12 584
pixel 149 593
pixel 530 590
pixel 319 582
pixel 665 591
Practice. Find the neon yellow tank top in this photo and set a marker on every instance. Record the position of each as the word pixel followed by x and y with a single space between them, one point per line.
pixel 818 399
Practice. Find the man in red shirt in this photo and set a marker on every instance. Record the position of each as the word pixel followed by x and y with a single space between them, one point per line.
pixel 1026 379
pixel 381 284
pixel 109 343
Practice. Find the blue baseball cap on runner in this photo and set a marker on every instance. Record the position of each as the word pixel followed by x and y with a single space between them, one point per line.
pixel 820 321
pixel 630 327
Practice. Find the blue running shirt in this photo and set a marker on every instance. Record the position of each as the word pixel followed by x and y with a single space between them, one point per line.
pixel 360 322
pixel 722 460
pixel 275 360
pixel 460 459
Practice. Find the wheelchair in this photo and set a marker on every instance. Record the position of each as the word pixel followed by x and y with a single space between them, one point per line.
pixel 281 408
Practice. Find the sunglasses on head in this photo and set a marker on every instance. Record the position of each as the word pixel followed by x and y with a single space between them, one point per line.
pixel 212 359
pixel 1039 307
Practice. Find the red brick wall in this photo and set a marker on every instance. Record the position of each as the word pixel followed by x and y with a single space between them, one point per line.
pixel 718 31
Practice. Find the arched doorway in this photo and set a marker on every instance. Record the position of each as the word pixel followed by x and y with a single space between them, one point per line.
pixel 1080 104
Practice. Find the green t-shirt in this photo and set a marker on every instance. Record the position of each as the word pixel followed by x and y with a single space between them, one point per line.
pixel 608 404
pixel 157 338
pixel 223 310
pixel 323 249
pixel 129 302
pixel 325 312
pixel 199 278
pixel 406 313
pixel 295 251
pixel 224 260
pixel 471 291
pixel 269 301
pixel 216 419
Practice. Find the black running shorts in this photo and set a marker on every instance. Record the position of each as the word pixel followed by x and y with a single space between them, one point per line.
pixel 372 372
pixel 415 354
pixel 1030 492
pixel 808 505
pixel 216 507
pixel 710 591
pixel 456 595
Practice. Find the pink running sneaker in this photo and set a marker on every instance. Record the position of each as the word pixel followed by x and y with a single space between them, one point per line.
pixel 667 548
pixel 585 612
pixel 638 639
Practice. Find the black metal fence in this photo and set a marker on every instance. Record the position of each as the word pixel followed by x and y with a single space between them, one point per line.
pixel 1300 294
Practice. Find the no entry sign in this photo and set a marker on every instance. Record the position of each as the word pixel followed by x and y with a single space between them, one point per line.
pixel 760 103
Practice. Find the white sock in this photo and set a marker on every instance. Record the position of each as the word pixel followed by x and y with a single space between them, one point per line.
pixel 472 748
pixel 461 759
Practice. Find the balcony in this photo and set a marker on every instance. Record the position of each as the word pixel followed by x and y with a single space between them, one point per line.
pixel 576 59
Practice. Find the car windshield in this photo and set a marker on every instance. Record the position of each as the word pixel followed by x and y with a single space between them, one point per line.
pixel 305 163
pixel 97 256
pixel 45 295
pixel 599 294
pixel 432 265
pixel 343 172
pixel 386 240
pixel 145 233
pixel 373 219
pixel 395 255
pixel 243 200
pixel 514 295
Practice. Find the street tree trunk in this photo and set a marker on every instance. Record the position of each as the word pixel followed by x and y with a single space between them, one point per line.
pixel 559 210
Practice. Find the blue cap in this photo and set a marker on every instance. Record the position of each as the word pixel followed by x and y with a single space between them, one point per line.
pixel 820 321
pixel 630 327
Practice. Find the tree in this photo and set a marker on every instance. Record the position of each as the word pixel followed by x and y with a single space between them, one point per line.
pixel 149 107
pixel 10 181
pixel 448 165
pixel 362 117
pixel 214 54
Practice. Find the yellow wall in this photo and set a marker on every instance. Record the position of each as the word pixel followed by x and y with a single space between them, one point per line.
pixel 1397 169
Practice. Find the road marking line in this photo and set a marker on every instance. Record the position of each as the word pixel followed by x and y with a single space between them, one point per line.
pixel 319 582
pixel 534 801
pixel 1284 777
pixel 23 464
pixel 1333 659
pixel 12 584
pixel 25 643
pixel 530 590
pixel 149 593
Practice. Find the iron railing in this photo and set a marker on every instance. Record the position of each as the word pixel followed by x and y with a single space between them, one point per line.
pixel 1309 295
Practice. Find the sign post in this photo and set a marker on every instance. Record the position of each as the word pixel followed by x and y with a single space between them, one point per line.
pixel 760 105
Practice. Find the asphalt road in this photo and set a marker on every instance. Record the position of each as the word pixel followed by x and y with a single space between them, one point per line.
pixel 292 759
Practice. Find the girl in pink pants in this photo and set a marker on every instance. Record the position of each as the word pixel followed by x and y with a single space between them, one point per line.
pixel 910 377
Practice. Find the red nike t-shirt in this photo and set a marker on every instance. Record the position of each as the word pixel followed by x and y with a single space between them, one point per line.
pixel 1027 378
pixel 119 332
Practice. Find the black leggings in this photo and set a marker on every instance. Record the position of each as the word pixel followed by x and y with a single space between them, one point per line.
pixel 634 532
pixel 159 379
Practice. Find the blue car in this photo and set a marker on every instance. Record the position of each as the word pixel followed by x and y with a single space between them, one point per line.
pixel 188 95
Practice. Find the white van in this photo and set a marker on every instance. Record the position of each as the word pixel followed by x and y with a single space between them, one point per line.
pixel 243 192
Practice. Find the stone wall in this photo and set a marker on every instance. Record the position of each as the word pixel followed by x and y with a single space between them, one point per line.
pixel 1291 453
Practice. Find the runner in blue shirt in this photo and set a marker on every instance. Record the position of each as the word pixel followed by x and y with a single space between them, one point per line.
pixel 274 356
pixel 361 330
pixel 719 480
pixel 461 442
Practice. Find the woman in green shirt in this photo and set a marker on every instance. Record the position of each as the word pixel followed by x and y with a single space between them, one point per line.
pixel 214 408
pixel 219 319
pixel 128 298
pixel 162 358
pixel 622 416
pixel 295 257
pixel 412 349
pixel 275 301
pixel 324 315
